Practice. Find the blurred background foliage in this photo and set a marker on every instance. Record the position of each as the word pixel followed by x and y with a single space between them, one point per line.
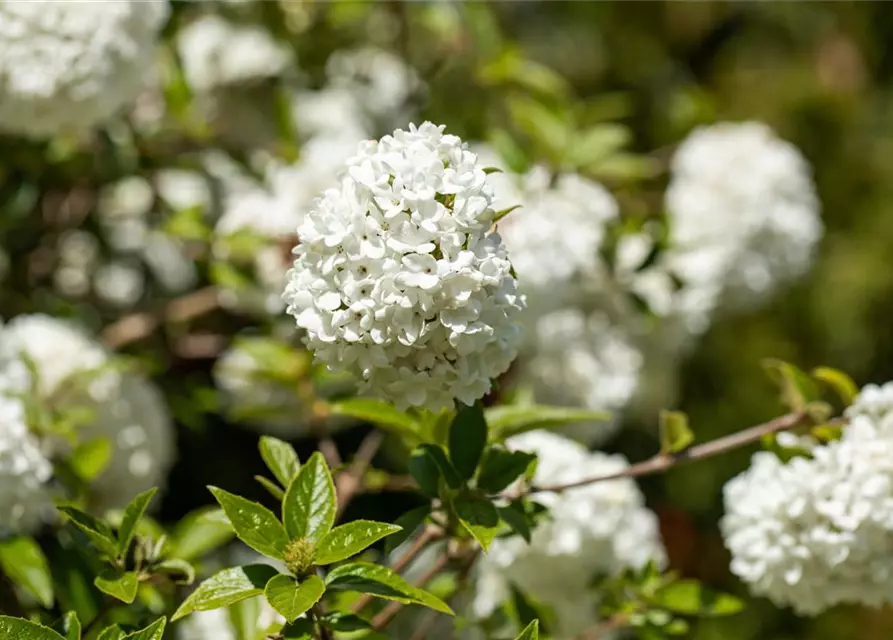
pixel 821 74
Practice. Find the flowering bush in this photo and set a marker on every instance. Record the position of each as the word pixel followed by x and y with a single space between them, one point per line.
pixel 343 321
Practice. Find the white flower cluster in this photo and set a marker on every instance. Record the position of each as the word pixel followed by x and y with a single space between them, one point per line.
pixel 216 53
pixel 25 472
pixel 66 66
pixel 397 279
pixel 598 529
pixel 125 408
pixel 272 212
pixel 817 532
pixel 743 210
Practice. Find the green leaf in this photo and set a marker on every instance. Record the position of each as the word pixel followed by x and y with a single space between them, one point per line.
pixel 797 388
pixel 227 587
pixel 132 515
pixel 99 533
pixel 351 538
pixel 596 144
pixel 154 631
pixel 479 517
pixel 121 586
pixel 409 522
pixel 254 524
pixel 543 126
pixel 345 622
pixel 425 472
pixel 504 212
pixel 271 487
pixel 199 532
pixel 244 617
pixel 309 506
pixel 112 632
pixel 383 582
pixel 298 630
pixel 531 631
pixel 18 629
pixel 69 626
pixel 509 420
pixel 442 466
pixel 291 598
pixel 178 570
pixel 840 382
pixel 379 413
pixel 515 517
pixel 675 434
pixel 23 562
pixel 690 597
pixel 89 459
pixel 502 467
pixel 281 458
pixel 468 437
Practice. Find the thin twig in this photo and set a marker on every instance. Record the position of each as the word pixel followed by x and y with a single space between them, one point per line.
pixel 350 481
pixel 384 617
pixel 429 534
pixel 106 607
pixel 663 462
pixel 137 326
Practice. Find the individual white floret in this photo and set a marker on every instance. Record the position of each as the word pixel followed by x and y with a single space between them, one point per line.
pixel 816 532
pixel 397 280
pixel 743 208
pixel 594 530
pixel 74 372
pixel 216 53
pixel 67 66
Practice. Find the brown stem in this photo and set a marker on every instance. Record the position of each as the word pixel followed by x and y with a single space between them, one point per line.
pixel 428 535
pixel 137 326
pixel 662 462
pixel 350 481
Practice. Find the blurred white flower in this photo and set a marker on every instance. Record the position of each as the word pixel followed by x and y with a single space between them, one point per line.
pixel 743 210
pixel 598 529
pixel 182 189
pixel 169 263
pixel 816 532
pixel 380 82
pixel 119 283
pixel 123 209
pixel 125 408
pixel 397 279
pixel 329 111
pixel 26 497
pixel 215 53
pixel 67 66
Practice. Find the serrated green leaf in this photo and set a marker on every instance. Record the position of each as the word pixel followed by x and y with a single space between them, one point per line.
pixel 132 515
pixel 690 597
pixel 840 382
pixel 378 412
pixel 444 466
pixel 310 504
pixel 509 420
pixel 383 582
pixel 89 459
pixel 281 459
pixel 18 629
pixel 99 533
pixel 122 586
pixel 468 437
pixel 254 524
pixel 68 626
pixel 290 597
pixel 409 523
pixel 516 518
pixel 199 532
pixel 351 538
pixel 298 630
pixel 113 632
pixel 179 571
pixel 24 563
pixel 675 434
pixel 531 631
pixel 271 488
pixel 154 631
pixel 502 467
pixel 345 622
pixel 227 587
pixel 479 517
